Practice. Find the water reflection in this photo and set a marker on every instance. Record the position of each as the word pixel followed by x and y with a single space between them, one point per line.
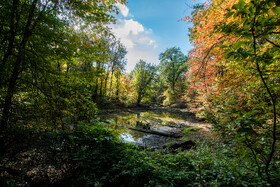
pixel 127 137
pixel 160 121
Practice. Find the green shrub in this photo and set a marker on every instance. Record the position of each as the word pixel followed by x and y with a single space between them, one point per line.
pixel 97 157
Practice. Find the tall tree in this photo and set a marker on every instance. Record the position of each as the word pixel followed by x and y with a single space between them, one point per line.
pixel 259 44
pixel 118 66
pixel 172 65
pixel 235 68
pixel 36 38
pixel 142 75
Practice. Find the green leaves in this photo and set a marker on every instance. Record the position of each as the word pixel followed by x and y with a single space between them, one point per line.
pixel 58 54
pixel 238 44
pixel 241 4
pixel 142 76
pixel 172 64
pixel 229 14
pixel 276 10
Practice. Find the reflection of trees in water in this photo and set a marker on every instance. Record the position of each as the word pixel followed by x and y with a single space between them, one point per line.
pixel 115 127
pixel 126 119
pixel 120 130
pixel 136 135
pixel 166 117
pixel 155 119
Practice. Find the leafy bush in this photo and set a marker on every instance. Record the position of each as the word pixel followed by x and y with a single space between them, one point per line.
pixel 100 159
pixel 95 156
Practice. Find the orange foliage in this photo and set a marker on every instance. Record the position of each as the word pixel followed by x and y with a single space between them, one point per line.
pixel 213 76
pixel 206 58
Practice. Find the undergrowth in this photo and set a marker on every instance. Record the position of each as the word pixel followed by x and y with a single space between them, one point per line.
pixel 93 155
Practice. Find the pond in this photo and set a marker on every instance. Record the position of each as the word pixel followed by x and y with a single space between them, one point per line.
pixel 129 124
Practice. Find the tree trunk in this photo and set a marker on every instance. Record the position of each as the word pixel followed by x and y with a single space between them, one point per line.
pixel 118 85
pixel 273 102
pixel 111 82
pixel 12 36
pixel 173 87
pixel 105 84
pixel 16 69
pixel 95 93
pixel 10 94
pixel 101 87
pixel 139 98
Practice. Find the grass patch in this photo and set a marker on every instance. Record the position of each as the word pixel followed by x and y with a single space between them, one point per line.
pixel 191 129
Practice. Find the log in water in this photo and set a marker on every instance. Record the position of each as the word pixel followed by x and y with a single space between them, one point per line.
pixel 168 134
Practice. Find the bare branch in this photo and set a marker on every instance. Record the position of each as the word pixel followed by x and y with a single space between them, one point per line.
pixel 272 43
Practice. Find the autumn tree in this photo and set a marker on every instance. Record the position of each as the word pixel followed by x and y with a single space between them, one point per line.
pixel 234 68
pixel 258 45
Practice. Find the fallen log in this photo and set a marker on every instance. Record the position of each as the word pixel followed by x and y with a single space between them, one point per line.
pixel 168 134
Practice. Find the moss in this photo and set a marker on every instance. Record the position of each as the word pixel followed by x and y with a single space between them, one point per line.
pixel 191 129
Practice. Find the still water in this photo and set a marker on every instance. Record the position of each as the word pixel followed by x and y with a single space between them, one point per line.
pixel 149 120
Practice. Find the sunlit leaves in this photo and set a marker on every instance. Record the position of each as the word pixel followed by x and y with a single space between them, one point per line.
pixel 237 51
pixel 49 69
pixel 142 76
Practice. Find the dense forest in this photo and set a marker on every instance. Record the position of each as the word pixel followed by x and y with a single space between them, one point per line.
pixel 61 66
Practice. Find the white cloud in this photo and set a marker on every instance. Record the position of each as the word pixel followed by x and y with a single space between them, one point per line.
pixel 123 9
pixel 132 33
pixel 136 38
pixel 125 30
pixel 135 55
pixel 153 43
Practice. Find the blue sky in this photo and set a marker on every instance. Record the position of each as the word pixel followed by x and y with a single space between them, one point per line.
pixel 149 27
